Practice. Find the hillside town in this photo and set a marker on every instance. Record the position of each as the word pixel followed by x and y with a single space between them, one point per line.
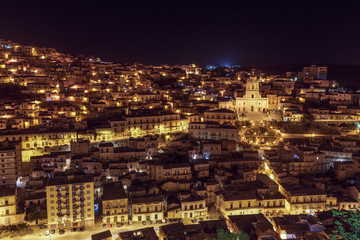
pixel 101 150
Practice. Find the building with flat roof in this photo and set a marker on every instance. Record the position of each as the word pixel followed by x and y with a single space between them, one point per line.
pixel 70 201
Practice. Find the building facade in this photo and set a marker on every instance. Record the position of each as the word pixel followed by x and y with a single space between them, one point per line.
pixel 115 203
pixel 8 211
pixel 70 202
pixel 252 101
pixel 147 208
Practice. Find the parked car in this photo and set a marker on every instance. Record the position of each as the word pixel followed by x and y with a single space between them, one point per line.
pixel 72 229
pixel 61 231
pixel 118 224
pixel 143 222
pixel 81 229
pixel 47 233
pixel 52 231
pixel 104 225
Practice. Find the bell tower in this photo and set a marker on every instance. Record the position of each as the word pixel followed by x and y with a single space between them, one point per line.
pixel 252 86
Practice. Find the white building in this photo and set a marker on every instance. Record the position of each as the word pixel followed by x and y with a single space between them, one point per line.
pixel 252 100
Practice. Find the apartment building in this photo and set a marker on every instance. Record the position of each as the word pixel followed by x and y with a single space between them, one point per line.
pixel 115 203
pixel 147 208
pixel 213 131
pixel 70 201
pixel 173 171
pixel 220 116
pixel 193 207
pixel 249 202
pixel 154 123
pixel 8 209
pixel 7 167
pixel 306 200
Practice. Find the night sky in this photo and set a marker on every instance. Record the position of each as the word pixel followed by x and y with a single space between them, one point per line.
pixel 181 32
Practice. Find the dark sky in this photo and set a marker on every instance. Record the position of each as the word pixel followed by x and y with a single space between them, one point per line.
pixel 179 32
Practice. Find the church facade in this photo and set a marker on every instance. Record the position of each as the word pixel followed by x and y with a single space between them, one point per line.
pixel 252 100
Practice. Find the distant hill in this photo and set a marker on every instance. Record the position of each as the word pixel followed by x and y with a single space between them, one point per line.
pixel 346 75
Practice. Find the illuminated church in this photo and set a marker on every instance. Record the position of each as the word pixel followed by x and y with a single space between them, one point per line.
pixel 252 100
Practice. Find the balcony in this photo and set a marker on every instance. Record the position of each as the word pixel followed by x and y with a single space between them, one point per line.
pixel 65 195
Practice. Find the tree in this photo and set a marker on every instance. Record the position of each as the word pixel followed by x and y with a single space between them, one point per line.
pixel 348 223
pixel 308 120
pixel 226 235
